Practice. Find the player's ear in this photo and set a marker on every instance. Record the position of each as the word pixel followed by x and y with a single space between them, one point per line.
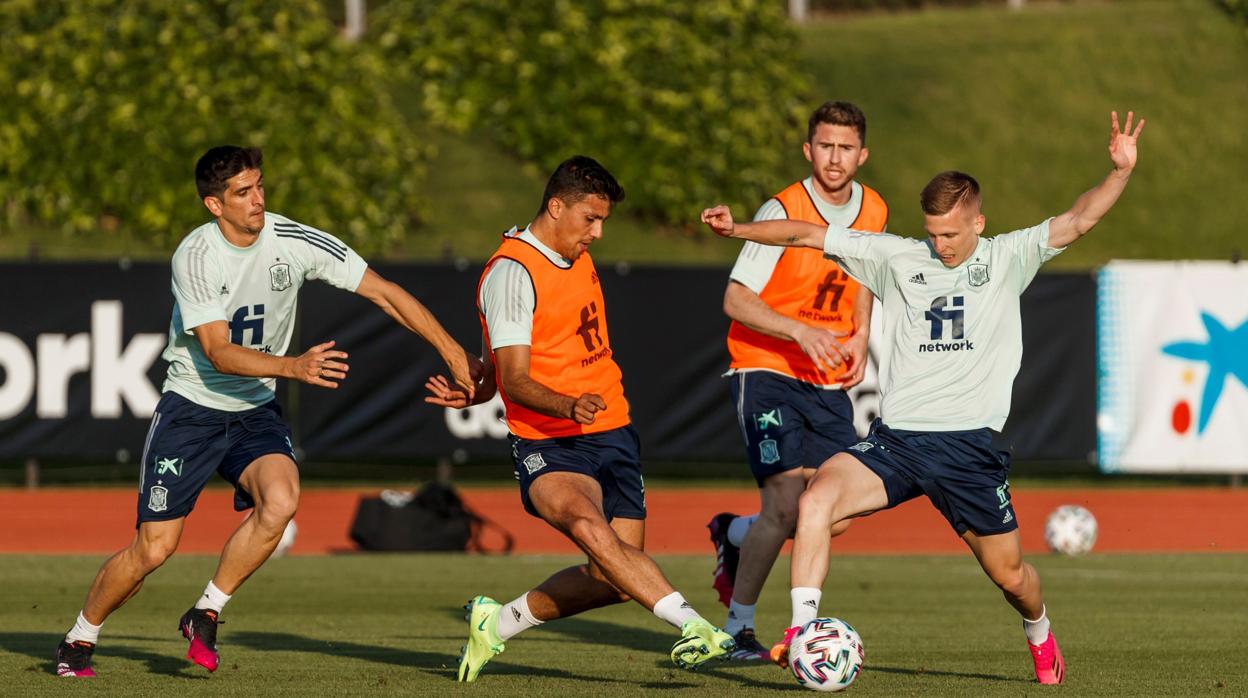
pixel 979 224
pixel 807 152
pixel 214 206
pixel 554 207
pixel 863 154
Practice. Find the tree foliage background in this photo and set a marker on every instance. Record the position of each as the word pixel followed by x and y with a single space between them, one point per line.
pixel 685 102
pixel 110 102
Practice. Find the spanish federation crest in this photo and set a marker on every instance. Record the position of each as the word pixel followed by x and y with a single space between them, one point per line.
pixel 768 451
pixel 158 501
pixel 279 276
pixel 534 463
pixel 977 274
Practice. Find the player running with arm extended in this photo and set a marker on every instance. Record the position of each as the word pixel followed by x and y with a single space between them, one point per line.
pixel 235 286
pixel 953 347
pixel 575 452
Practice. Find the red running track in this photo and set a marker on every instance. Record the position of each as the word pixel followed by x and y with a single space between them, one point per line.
pixel 1131 520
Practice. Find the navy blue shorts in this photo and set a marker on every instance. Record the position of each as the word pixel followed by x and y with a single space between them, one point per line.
pixel 789 424
pixel 613 458
pixel 187 443
pixel 964 473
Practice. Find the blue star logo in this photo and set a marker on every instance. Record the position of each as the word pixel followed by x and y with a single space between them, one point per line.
pixel 1226 353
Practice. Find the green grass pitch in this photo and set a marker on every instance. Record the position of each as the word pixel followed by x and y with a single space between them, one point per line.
pixel 1128 624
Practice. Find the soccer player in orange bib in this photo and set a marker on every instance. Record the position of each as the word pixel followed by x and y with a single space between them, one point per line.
pixel 575 452
pixel 798 341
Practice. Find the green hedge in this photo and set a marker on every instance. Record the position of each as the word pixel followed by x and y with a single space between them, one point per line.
pixel 110 102
pixel 1237 9
pixel 685 102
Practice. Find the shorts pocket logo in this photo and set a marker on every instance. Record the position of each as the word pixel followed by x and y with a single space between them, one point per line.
pixel 768 419
pixel 768 451
pixel 862 446
pixel 1003 497
pixel 169 465
pixel 534 463
pixel 158 499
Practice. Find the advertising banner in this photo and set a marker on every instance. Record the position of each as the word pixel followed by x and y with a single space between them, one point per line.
pixel 1172 361
pixel 80 366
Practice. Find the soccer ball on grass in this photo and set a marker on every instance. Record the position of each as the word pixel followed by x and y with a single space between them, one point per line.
pixel 826 655
pixel 1070 530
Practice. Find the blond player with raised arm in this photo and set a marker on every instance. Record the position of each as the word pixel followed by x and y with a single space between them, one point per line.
pixel 953 338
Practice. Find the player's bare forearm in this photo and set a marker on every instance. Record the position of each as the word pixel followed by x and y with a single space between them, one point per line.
pixel 782 232
pixel 864 303
pixel 408 312
pixel 856 346
pixel 776 232
pixel 745 306
pixel 236 360
pixel 1090 208
pixel 529 393
pixel 412 314
pixel 514 380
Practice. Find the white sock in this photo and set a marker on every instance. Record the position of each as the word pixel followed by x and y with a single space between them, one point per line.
pixel 739 527
pixel 739 616
pixel 1037 630
pixel 83 631
pixel 213 599
pixel 675 610
pixel 516 617
pixel 805 605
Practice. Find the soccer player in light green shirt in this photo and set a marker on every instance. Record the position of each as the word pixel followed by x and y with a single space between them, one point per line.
pixel 953 343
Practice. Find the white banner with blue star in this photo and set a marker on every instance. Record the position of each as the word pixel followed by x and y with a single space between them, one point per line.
pixel 1172 367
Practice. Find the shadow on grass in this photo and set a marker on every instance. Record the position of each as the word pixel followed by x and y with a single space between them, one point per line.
pixel 436 664
pixel 42 647
pixel 920 671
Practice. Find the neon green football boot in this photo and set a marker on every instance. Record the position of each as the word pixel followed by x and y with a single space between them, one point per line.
pixel 483 639
pixel 701 642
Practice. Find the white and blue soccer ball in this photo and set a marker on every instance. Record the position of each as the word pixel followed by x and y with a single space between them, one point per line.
pixel 826 655
pixel 1070 530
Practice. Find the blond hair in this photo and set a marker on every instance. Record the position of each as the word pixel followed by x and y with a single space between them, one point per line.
pixel 947 191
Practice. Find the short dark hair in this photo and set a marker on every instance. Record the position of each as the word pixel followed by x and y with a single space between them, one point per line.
pixel 946 191
pixel 838 114
pixel 578 177
pixel 219 164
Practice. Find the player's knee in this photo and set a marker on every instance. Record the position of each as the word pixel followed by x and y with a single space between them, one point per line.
pixel 278 509
pixel 592 534
pixel 1011 579
pixel 782 515
pixel 152 553
pixel 815 510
